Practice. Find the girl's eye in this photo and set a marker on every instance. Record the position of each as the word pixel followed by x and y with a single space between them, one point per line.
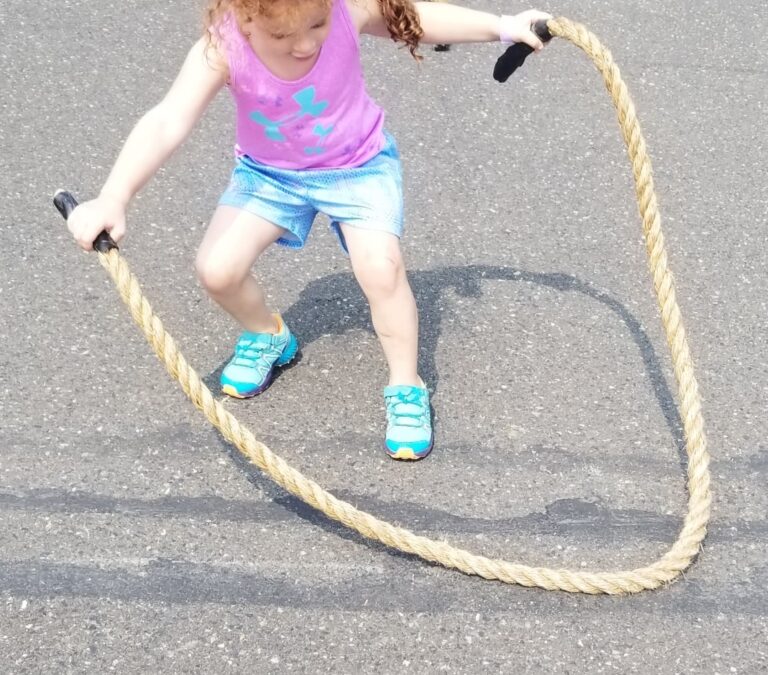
pixel 319 25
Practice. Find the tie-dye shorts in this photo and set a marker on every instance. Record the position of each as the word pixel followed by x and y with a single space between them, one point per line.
pixel 369 196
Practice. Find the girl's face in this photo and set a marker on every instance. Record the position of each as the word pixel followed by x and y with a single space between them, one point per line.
pixel 298 38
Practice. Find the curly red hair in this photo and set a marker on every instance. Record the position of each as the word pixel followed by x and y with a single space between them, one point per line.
pixel 401 18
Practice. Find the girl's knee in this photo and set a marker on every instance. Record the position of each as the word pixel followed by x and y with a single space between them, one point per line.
pixel 215 276
pixel 380 273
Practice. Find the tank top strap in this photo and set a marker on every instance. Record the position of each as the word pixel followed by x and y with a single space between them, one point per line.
pixel 341 10
pixel 234 46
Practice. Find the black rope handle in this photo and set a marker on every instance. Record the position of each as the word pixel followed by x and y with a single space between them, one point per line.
pixel 516 54
pixel 66 202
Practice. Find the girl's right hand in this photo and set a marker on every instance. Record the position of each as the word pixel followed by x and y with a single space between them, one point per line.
pixel 519 28
pixel 89 219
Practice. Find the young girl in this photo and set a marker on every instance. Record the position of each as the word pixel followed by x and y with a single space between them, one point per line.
pixel 309 140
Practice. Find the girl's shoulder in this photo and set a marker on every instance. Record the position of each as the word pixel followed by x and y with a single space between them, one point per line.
pixel 364 13
pixel 222 39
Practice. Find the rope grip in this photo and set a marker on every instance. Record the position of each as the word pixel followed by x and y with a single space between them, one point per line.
pixel 65 202
pixel 516 54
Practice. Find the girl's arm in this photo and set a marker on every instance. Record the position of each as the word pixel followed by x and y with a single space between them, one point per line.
pixel 449 24
pixel 154 138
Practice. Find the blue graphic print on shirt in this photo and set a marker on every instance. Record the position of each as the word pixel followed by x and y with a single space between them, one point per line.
pixel 307 107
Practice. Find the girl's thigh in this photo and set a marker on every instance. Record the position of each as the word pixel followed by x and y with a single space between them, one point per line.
pixel 368 244
pixel 236 238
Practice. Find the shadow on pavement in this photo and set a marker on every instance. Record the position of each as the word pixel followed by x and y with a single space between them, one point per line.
pixel 334 304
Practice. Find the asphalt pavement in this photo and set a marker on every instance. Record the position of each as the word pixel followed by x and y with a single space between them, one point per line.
pixel 134 539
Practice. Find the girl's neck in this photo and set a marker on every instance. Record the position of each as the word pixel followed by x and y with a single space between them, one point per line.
pixel 283 67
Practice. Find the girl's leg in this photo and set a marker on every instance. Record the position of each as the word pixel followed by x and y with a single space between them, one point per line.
pixel 231 245
pixel 377 263
pixel 378 266
pixel 233 242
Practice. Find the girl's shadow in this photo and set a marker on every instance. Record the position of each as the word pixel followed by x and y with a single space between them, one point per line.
pixel 334 304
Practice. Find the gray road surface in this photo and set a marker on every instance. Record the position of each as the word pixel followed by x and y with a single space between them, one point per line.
pixel 132 537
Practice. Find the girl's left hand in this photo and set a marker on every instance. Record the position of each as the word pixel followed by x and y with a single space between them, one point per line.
pixel 519 28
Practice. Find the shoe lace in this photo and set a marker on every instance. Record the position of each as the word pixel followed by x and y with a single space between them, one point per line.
pixel 255 353
pixel 406 408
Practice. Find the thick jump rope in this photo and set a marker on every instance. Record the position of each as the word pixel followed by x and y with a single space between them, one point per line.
pixel 659 573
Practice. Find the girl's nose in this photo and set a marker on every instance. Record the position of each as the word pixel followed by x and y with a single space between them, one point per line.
pixel 304 46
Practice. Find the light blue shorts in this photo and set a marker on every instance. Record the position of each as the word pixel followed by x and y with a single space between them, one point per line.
pixel 369 196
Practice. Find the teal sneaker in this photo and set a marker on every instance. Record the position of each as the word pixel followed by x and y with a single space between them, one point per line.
pixel 256 356
pixel 409 422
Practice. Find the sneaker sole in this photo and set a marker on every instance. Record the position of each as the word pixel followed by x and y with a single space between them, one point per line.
pixel 229 390
pixel 408 454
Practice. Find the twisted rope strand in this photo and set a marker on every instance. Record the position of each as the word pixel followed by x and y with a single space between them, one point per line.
pixel 661 572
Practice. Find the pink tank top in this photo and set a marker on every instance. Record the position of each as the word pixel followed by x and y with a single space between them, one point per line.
pixel 324 120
